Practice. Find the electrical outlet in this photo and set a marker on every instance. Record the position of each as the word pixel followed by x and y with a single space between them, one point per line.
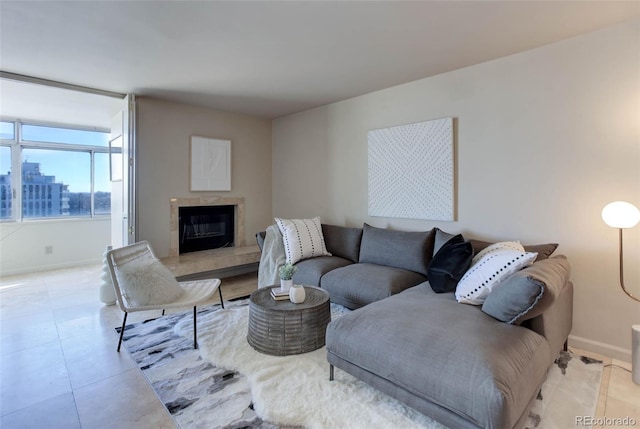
pixel 48 250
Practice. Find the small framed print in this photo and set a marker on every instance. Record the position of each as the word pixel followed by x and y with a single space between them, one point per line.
pixel 210 164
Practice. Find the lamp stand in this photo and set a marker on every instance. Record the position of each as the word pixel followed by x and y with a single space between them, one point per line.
pixel 621 271
pixel 635 329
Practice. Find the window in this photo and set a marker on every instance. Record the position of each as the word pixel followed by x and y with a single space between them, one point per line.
pixel 40 133
pixel 48 170
pixel 64 172
pixel 7 130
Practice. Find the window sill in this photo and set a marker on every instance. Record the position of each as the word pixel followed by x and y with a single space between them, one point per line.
pixel 104 218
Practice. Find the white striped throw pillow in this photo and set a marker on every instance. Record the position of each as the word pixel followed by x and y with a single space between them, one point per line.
pixel 302 238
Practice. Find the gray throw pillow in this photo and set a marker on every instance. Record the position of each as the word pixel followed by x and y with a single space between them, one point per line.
pixel 400 249
pixel 440 238
pixel 528 292
pixel 512 299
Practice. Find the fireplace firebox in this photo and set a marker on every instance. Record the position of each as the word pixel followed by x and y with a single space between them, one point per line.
pixel 205 227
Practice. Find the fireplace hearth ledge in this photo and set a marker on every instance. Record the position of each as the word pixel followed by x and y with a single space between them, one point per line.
pixel 211 260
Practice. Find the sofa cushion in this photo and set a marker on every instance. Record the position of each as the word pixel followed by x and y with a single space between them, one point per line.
pixel 543 250
pixel 400 249
pixel 491 269
pixel 310 271
pixel 452 355
pixel 342 241
pixel 529 292
pixel 449 264
pixel 302 238
pixel 360 284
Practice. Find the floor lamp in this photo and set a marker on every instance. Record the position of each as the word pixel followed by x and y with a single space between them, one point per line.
pixel 621 215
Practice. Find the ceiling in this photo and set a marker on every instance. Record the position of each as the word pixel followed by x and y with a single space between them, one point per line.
pixel 273 58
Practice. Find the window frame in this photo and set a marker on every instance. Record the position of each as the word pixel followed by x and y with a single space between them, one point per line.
pixel 18 144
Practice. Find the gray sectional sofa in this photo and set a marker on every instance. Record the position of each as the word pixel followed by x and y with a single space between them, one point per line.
pixel 452 362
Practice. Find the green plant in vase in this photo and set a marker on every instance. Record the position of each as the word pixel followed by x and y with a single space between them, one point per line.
pixel 286 272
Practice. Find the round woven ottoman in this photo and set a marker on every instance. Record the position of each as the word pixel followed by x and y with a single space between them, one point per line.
pixel 282 328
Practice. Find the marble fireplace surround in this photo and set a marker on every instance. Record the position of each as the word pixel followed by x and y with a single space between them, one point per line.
pixel 176 203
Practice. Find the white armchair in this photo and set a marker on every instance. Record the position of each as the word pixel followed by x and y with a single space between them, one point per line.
pixel 142 283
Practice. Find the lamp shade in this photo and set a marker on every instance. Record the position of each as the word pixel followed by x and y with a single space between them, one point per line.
pixel 621 214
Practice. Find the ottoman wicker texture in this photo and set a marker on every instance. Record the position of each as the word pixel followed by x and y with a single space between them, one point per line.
pixel 282 328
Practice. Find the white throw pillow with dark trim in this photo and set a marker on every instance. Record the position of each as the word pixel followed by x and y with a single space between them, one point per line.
pixel 302 238
pixel 495 247
pixel 491 269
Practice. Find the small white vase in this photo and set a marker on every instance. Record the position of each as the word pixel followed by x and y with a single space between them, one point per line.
pixel 297 294
pixel 285 285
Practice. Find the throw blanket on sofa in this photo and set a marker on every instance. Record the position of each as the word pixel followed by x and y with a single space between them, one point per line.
pixel 272 257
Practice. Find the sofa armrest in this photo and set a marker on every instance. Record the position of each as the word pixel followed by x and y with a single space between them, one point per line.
pixel 260 239
pixel 556 322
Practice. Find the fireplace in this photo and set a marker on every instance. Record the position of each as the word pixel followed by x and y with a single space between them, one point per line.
pixel 206 227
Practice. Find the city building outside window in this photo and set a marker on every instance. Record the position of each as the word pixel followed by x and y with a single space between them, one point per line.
pixel 63 171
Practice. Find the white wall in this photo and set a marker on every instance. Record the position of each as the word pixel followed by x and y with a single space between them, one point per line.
pixel 163 154
pixel 545 139
pixel 74 241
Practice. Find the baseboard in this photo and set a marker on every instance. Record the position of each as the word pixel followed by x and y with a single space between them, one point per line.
pixel 28 270
pixel 600 348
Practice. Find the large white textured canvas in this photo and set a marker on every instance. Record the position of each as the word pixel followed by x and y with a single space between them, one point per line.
pixel 411 171
pixel 210 164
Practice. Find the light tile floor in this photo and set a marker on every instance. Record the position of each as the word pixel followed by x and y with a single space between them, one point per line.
pixel 619 397
pixel 58 362
pixel 59 367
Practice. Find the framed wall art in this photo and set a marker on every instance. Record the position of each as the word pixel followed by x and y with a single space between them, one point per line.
pixel 210 164
pixel 411 171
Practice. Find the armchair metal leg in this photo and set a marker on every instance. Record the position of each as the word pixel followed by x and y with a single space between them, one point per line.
pixel 124 321
pixel 163 311
pixel 195 329
pixel 565 347
pixel 330 372
pixel 220 292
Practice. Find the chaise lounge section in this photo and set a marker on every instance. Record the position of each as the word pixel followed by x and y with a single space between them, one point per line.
pixel 450 361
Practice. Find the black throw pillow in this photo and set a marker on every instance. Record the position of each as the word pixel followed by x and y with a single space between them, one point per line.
pixel 449 264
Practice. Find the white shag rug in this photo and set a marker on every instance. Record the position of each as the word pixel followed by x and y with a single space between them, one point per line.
pixel 295 390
